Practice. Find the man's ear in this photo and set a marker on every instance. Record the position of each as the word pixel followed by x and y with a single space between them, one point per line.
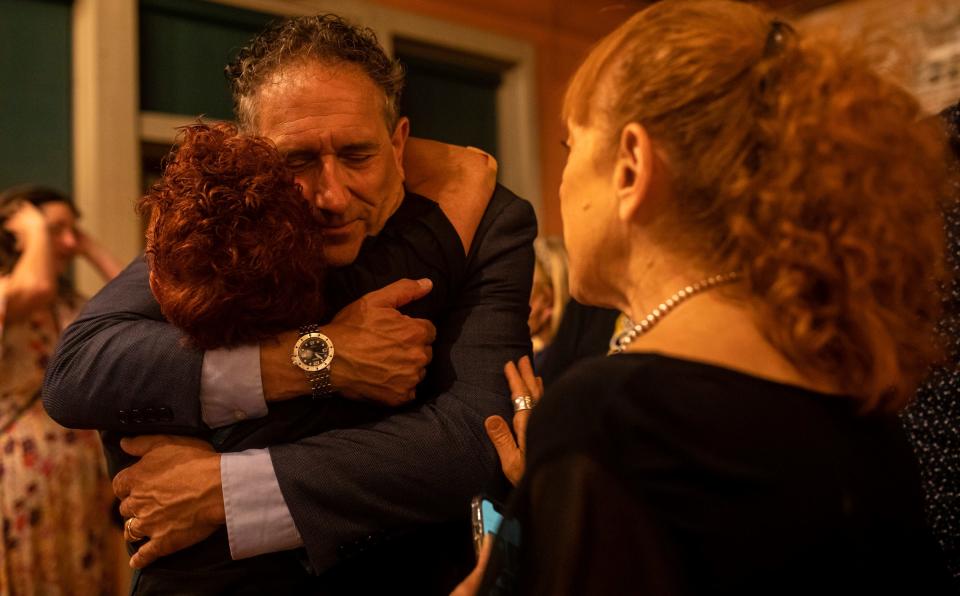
pixel 399 141
pixel 634 169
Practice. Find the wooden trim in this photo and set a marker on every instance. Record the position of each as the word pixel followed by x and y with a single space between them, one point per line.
pixel 106 147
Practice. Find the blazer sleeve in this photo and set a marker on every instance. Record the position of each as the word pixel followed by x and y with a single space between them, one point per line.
pixel 121 367
pixel 423 463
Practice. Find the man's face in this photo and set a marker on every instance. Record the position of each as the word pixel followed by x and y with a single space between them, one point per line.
pixel 328 121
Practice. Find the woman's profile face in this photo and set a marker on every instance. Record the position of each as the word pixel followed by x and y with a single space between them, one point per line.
pixel 588 209
pixel 62 224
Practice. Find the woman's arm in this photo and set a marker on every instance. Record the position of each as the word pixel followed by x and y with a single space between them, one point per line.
pixel 460 179
pixel 97 255
pixel 32 283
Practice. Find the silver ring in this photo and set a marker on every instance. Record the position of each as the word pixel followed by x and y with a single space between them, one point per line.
pixel 522 402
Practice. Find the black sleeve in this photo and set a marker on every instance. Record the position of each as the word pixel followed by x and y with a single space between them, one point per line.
pixel 120 366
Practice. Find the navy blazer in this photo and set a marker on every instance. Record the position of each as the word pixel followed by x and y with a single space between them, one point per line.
pixel 360 481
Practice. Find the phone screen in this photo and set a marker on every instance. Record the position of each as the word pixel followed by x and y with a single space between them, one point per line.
pixel 488 519
pixel 490 516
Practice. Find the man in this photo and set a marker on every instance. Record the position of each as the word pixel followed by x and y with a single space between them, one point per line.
pixel 374 498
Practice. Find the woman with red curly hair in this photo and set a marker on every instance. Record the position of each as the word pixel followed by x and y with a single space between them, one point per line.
pixel 235 253
pixel 767 211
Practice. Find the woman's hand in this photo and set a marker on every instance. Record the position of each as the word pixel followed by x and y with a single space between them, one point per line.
pixel 471 583
pixel 26 222
pixel 523 383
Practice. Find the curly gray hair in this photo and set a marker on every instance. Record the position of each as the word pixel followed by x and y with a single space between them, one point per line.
pixel 325 38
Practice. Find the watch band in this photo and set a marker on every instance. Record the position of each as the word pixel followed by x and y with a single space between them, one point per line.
pixel 309 328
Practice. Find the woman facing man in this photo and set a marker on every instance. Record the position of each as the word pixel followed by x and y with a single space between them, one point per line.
pixel 766 209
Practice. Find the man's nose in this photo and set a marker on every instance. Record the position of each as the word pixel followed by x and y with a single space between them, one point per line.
pixel 326 189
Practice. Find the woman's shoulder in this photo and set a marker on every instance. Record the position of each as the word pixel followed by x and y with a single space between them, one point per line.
pixel 696 405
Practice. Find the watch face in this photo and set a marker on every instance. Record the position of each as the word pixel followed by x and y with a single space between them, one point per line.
pixel 313 352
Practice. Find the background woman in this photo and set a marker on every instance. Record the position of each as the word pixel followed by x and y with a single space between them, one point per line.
pixel 54 494
pixel 767 209
pixel 549 295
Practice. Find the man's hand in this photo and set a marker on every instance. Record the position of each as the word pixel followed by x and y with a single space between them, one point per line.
pixel 172 496
pixel 380 354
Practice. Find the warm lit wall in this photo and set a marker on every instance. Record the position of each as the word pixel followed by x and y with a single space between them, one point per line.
pixel 562 32
pixel 918 42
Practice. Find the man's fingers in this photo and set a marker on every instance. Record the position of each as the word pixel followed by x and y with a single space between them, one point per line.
pixel 148 553
pixel 400 292
pixel 431 332
pixel 139 446
pixel 132 531
pixel 144 444
pixel 121 484
pixel 126 507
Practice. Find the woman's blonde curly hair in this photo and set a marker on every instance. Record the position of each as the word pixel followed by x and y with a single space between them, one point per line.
pixel 797 165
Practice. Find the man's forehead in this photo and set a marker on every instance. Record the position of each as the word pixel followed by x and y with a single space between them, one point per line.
pixel 315 88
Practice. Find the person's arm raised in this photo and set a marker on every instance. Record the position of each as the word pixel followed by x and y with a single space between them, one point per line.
pixel 460 179
pixel 97 255
pixel 33 281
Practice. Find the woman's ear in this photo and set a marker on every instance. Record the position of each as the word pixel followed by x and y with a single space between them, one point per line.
pixel 633 170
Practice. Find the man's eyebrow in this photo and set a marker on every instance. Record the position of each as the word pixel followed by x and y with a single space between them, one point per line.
pixel 297 153
pixel 363 147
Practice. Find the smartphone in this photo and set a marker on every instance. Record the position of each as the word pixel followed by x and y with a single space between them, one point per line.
pixel 487 517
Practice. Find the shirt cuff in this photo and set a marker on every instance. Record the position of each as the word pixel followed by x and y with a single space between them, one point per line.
pixel 258 519
pixel 230 386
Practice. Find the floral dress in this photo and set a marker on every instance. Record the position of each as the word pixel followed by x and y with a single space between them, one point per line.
pixel 55 497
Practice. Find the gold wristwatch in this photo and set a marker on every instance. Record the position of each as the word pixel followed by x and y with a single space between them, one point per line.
pixel 313 354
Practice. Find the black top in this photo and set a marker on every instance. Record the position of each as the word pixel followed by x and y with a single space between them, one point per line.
pixel 417 241
pixel 584 331
pixel 933 420
pixel 649 474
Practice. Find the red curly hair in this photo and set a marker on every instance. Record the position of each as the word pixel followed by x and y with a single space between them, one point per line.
pixel 235 252
pixel 796 165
